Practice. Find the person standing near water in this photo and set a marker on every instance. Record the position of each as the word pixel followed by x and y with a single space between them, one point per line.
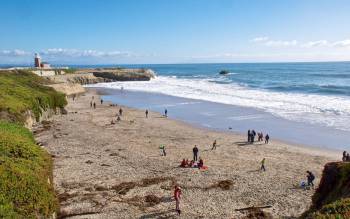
pixel 195 153
pixel 146 113
pixel 120 111
pixel 177 196
pixel 166 113
pixel 101 101
pixel 249 135
pixel 263 164
pixel 267 138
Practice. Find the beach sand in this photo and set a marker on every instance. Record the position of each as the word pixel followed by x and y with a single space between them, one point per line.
pixel 116 171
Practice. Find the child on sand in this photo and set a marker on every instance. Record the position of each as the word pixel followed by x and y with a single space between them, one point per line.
pixel 177 196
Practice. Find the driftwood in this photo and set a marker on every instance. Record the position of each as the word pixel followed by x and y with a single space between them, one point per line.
pixel 253 207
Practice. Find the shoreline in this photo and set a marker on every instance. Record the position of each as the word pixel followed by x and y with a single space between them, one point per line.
pixel 94 159
pixel 312 149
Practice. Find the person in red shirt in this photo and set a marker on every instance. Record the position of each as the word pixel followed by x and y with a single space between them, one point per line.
pixel 177 195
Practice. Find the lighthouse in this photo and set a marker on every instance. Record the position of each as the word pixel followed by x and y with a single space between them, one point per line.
pixel 37 61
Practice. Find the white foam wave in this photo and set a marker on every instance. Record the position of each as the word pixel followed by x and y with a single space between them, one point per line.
pixel 333 111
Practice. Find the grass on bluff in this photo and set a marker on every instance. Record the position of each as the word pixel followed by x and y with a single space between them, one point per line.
pixel 26 189
pixel 21 91
pixel 25 173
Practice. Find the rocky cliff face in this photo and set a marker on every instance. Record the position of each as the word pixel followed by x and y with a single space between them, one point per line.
pixel 126 75
pixel 332 197
pixel 93 76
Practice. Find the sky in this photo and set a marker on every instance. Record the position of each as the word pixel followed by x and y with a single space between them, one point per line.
pixel 174 31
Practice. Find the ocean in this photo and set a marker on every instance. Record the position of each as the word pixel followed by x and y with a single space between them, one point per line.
pixel 314 95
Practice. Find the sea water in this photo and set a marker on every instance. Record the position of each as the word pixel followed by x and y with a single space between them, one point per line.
pixel 307 99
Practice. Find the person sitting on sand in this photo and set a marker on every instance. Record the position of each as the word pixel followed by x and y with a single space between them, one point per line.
pixel 191 164
pixel 183 163
pixel 177 196
pixel 214 145
pixel 263 165
pixel 201 163
pixel 267 138
pixel 310 178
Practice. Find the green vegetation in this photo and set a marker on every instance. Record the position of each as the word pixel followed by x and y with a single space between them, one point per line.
pixel 21 91
pixel 332 197
pixel 70 70
pixel 26 190
pixel 25 170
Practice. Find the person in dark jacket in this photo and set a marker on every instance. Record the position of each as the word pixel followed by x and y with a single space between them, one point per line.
pixel 310 178
pixel 267 138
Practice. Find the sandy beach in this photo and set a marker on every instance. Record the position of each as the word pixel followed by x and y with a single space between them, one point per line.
pixel 116 171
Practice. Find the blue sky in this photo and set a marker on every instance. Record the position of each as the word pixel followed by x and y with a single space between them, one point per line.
pixel 174 31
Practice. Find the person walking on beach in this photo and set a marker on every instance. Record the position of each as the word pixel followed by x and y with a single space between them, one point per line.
pixel 263 164
pixel 94 105
pixel 344 156
pixel 120 111
pixel 166 113
pixel 267 138
pixel 310 178
pixel 249 136
pixel 146 113
pixel 177 196
pixel 162 150
pixel 195 153
pixel 90 104
pixel 101 101
pixel 214 145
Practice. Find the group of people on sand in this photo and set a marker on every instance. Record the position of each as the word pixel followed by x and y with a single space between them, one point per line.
pixel 92 102
pixel 195 162
pixel 251 136
pixel 118 115
pixel 346 156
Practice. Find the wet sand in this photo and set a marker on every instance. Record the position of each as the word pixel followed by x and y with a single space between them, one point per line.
pixel 116 171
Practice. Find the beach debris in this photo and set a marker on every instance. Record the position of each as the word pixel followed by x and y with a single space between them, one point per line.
pixel 89 162
pixel 152 200
pixel 105 165
pixel 124 187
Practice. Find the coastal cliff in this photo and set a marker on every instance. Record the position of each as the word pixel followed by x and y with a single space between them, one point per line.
pixel 332 197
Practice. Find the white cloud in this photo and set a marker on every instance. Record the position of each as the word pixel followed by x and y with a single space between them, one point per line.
pixel 316 44
pixel 61 52
pixel 274 43
pixel 280 43
pixel 14 53
pixel 260 39
pixel 344 43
